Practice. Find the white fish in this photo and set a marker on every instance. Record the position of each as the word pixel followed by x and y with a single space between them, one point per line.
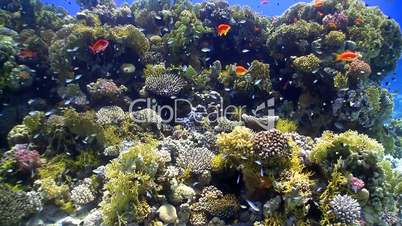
pixel 245 51
pixel 205 50
pixel 242 21
pixel 73 49
pixel 238 179
pixel 253 206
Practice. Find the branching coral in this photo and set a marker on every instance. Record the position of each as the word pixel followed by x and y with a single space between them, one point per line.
pixel 196 160
pixel 359 152
pixel 128 179
pixel 165 84
pixel 236 144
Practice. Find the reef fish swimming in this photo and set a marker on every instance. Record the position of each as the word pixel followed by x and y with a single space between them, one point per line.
pixel 240 70
pixel 99 46
pixel 348 56
pixel 318 4
pixel 223 29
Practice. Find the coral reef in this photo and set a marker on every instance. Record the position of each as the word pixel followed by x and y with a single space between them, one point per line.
pixel 151 114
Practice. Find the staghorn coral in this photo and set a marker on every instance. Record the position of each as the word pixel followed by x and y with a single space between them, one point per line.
pixel 346 209
pixel 165 84
pixel 270 144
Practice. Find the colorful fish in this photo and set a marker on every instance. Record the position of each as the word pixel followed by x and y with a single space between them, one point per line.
pixel 348 56
pixel 27 53
pixel 240 70
pixel 223 29
pixel 264 2
pixel 318 4
pixel 99 46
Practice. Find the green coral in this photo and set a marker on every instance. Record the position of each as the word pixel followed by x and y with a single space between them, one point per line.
pixel 13 206
pixel 307 64
pixel 129 177
pixel 20 134
pixel 359 152
pixel 341 81
pixel 129 36
pixel 182 40
pixel 335 40
pixel 286 125
pixel 257 78
pixel 285 37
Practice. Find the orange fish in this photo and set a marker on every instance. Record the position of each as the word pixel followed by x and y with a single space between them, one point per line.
pixel 223 29
pixel 240 70
pixel 348 56
pixel 99 46
pixel 27 53
pixel 318 3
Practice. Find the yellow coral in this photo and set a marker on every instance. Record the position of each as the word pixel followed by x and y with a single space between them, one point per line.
pixel 236 144
pixel 218 162
pixel 286 125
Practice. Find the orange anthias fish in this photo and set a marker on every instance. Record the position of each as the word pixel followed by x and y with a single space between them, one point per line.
pixel 240 70
pixel 348 56
pixel 318 3
pixel 27 53
pixel 99 46
pixel 223 29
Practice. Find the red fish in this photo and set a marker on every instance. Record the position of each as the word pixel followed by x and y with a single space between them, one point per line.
pixel 27 53
pixel 223 29
pixel 240 70
pixel 348 56
pixel 99 46
pixel 318 4
pixel 264 2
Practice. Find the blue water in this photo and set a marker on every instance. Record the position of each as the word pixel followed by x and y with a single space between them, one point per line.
pixel 391 8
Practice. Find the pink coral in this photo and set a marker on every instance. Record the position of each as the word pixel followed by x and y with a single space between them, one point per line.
pixel 359 69
pixel 27 160
pixel 336 21
pixel 356 184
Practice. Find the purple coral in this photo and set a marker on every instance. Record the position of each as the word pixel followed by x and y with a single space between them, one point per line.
pixel 336 21
pixel 27 160
pixel 356 184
